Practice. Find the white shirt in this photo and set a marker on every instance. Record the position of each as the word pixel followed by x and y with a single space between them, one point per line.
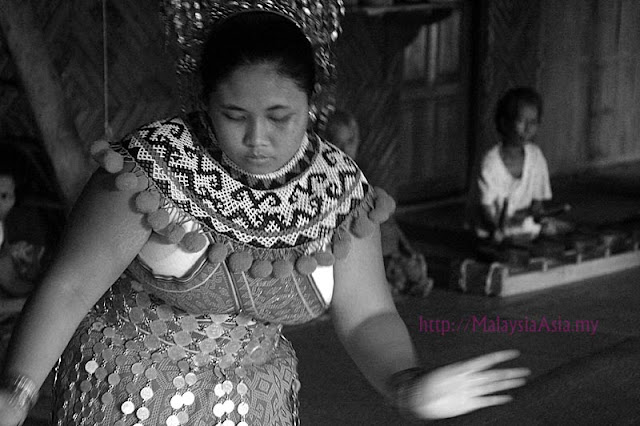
pixel 495 183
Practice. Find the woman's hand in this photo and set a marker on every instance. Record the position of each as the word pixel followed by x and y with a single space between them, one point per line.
pixel 10 414
pixel 466 386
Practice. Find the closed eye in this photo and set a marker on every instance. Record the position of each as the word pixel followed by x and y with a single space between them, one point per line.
pixel 280 118
pixel 233 116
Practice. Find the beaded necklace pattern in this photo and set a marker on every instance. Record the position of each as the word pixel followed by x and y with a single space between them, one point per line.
pixel 298 217
pixel 322 186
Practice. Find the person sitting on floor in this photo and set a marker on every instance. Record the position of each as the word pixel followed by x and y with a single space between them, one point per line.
pixel 31 219
pixel 19 260
pixel 513 181
pixel 405 268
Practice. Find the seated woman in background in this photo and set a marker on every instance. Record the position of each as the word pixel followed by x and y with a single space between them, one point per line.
pixel 514 178
pixel 406 269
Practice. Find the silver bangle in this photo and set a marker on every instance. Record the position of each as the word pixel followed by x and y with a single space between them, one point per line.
pixel 403 385
pixel 24 392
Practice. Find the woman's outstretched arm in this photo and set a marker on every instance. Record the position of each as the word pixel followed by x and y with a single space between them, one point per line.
pixel 365 316
pixel 377 339
pixel 103 236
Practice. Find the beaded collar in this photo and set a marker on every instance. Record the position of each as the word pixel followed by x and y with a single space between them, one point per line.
pixel 318 193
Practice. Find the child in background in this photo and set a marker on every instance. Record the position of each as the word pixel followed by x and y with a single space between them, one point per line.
pixel 19 260
pixel 342 130
pixel 405 268
pixel 30 221
pixel 514 178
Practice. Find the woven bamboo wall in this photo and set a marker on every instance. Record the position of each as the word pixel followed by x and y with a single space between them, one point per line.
pixel 141 79
pixel 369 59
pixel 363 65
pixel 589 76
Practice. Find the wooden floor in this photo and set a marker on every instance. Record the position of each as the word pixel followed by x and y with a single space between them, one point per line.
pixel 578 378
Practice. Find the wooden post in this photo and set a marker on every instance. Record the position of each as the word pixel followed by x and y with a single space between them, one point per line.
pixel 44 91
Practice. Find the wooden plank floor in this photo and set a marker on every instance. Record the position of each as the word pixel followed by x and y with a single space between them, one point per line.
pixel 577 378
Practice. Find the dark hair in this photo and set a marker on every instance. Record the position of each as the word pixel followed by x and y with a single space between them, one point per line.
pixel 510 103
pixel 257 37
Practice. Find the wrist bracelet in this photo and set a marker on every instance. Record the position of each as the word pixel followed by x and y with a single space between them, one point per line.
pixel 402 384
pixel 24 392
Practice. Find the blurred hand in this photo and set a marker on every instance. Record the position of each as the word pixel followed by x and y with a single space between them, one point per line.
pixel 10 415
pixel 466 386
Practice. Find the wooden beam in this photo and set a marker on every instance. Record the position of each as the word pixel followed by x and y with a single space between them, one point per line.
pixel 565 274
pixel 495 280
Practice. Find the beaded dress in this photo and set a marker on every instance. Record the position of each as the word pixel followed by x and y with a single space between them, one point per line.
pixel 202 345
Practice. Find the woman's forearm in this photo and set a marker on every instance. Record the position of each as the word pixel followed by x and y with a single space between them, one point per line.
pixel 73 284
pixel 104 235
pixel 47 323
pixel 365 317
pixel 381 347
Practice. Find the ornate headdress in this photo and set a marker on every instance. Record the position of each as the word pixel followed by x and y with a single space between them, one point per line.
pixel 191 22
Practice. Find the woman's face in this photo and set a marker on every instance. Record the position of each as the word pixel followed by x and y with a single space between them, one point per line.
pixel 525 126
pixel 259 117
